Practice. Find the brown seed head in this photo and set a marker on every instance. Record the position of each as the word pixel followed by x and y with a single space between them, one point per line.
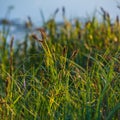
pixel 75 52
pixel 43 33
pixel 36 38
pixel 64 50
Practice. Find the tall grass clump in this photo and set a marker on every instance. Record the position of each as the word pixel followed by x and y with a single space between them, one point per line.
pixel 72 72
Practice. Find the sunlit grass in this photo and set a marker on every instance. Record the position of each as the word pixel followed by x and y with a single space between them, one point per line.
pixel 70 73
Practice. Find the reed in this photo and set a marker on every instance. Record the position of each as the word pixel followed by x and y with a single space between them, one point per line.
pixel 71 72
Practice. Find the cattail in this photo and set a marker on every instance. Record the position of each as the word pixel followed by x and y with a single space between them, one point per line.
pixel 79 34
pixel 36 38
pixel 43 33
pixel 103 10
pixel 63 11
pixel 75 52
pixel 11 43
pixel 104 13
pixel 117 20
pixel 11 56
pixel 64 51
pixel 108 18
pixel 56 11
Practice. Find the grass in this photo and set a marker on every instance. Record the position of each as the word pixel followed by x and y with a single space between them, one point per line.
pixel 70 73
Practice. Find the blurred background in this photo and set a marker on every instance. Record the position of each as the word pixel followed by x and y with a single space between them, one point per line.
pixel 74 8
pixel 17 11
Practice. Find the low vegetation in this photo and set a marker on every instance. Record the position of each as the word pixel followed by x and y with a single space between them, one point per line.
pixel 71 72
